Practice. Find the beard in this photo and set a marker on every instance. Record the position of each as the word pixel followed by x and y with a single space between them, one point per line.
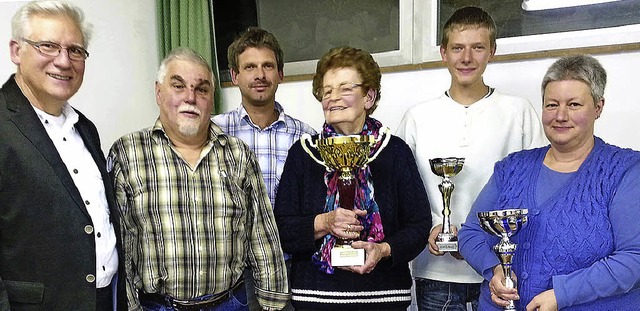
pixel 189 128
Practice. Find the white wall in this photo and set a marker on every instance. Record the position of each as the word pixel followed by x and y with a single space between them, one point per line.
pixel 619 124
pixel 118 89
pixel 117 93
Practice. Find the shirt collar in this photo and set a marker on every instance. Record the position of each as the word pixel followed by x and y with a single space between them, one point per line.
pixel 243 115
pixel 71 117
pixel 215 132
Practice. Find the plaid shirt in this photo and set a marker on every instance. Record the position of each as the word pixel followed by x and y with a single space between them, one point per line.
pixel 271 144
pixel 189 231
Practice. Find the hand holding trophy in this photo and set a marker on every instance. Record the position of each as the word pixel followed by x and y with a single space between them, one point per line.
pixel 345 154
pixel 504 224
pixel 446 168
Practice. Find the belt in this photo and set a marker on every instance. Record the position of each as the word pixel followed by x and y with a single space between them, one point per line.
pixel 191 304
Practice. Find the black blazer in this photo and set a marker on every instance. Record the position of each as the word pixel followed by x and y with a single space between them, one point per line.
pixel 47 246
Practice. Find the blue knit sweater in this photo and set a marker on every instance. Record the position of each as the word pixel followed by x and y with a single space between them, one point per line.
pixel 570 243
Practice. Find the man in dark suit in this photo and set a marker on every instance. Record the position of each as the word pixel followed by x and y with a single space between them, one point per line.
pixel 58 244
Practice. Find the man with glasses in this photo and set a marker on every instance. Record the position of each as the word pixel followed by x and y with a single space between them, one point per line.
pixel 58 241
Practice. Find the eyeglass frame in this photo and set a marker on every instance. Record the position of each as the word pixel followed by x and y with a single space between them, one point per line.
pixel 320 93
pixel 37 44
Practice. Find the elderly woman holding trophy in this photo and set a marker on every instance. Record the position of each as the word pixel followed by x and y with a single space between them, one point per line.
pixel 569 207
pixel 351 207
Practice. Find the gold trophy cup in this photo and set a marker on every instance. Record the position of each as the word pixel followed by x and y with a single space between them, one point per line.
pixel 446 168
pixel 346 154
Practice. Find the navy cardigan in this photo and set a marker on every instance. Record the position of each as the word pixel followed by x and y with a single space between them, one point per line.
pixel 406 218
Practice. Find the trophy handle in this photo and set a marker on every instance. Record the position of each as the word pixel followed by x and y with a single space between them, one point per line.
pixel 384 136
pixel 306 138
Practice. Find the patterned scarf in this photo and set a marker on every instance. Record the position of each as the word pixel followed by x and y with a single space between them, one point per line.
pixel 364 199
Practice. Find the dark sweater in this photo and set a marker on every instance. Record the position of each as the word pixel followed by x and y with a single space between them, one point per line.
pixel 406 218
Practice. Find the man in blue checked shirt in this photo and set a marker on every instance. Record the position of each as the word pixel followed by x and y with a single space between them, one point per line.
pixel 256 64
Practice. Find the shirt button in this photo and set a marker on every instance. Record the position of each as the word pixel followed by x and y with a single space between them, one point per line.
pixel 536 211
pixel 64 139
pixel 98 235
pixel 90 278
pixel 525 275
pixel 75 171
pixel 526 245
pixel 88 229
pixel 87 202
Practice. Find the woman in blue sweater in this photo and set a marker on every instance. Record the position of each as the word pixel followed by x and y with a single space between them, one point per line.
pixel 580 249
pixel 391 221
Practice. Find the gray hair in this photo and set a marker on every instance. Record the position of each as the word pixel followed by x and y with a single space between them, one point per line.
pixel 186 54
pixel 583 68
pixel 21 28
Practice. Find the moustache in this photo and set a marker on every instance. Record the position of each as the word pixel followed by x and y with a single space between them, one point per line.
pixel 261 83
pixel 189 109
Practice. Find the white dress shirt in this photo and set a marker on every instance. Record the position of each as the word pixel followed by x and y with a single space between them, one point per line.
pixel 87 178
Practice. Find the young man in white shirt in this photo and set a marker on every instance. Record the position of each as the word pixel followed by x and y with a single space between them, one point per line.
pixel 473 121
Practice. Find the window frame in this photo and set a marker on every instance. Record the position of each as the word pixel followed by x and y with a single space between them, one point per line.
pixel 418 48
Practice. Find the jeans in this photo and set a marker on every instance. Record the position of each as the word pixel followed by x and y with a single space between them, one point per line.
pixel 440 296
pixel 237 302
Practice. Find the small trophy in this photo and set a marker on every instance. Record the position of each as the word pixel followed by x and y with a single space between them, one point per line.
pixel 446 168
pixel 345 154
pixel 504 224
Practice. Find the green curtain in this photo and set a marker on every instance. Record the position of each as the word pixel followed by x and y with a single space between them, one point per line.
pixel 188 23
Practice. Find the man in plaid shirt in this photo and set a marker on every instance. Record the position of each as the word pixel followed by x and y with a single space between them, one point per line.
pixel 194 207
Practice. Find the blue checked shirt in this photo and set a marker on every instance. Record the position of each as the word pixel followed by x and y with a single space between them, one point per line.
pixel 189 232
pixel 270 144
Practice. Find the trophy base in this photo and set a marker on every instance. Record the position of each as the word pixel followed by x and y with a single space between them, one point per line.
pixel 447 246
pixel 346 256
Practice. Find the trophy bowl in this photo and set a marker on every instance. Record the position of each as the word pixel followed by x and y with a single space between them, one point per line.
pixel 504 224
pixel 446 168
pixel 346 153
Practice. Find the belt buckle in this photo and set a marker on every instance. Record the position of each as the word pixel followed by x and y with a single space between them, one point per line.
pixel 179 304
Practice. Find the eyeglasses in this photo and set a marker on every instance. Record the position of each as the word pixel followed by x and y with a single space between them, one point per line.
pixel 343 90
pixel 53 49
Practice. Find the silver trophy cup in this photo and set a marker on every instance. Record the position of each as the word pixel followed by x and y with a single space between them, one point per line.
pixel 504 224
pixel 446 168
